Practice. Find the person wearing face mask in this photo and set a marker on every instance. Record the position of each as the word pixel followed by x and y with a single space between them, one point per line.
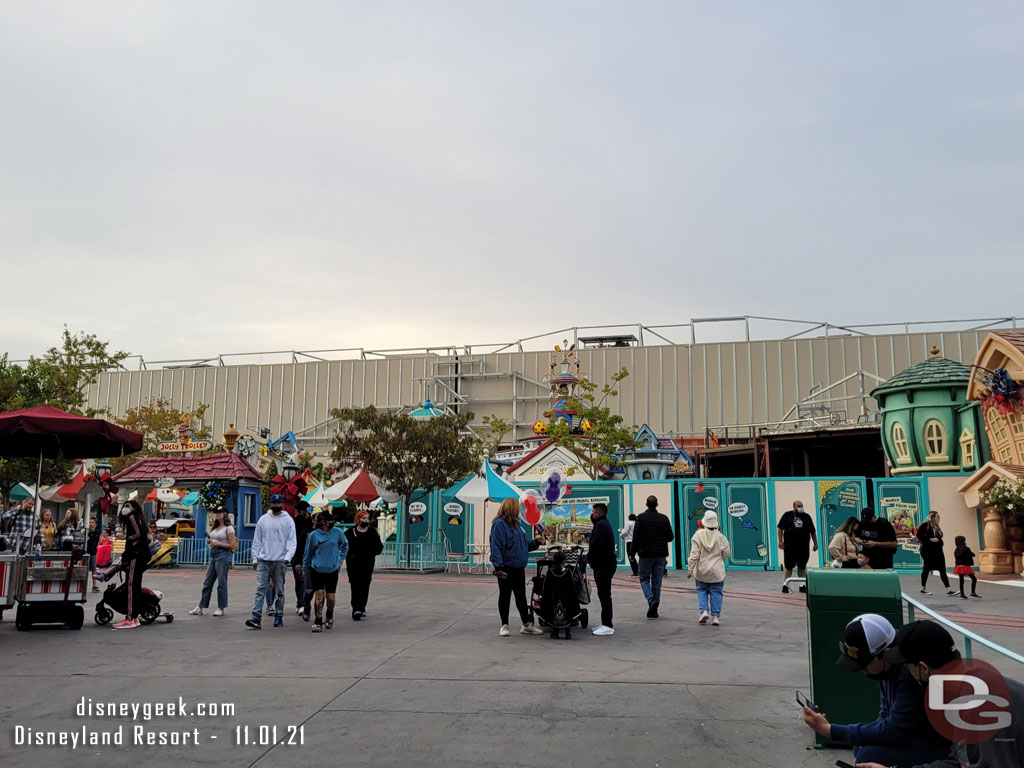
pixel 925 647
pixel 796 535
pixel 326 548
pixel 602 559
pixel 364 545
pixel 133 560
pixel 303 527
pixel 273 544
pixel 902 734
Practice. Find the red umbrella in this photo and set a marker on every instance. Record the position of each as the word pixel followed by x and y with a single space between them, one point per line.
pixel 70 489
pixel 359 486
pixel 51 433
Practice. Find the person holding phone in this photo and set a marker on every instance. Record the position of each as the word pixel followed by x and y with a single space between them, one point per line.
pixel 901 735
pixel 510 552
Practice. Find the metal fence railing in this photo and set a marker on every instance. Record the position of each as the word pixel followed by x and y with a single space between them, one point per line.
pixel 419 556
pixel 969 637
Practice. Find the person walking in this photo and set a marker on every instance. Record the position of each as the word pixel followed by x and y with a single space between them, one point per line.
pixel 708 550
pixel 652 534
pixel 510 552
pixel 221 541
pixel 273 545
pixel 303 526
pixel 929 534
pixel 626 534
pixel 844 545
pixel 796 535
pixel 326 547
pixel 134 559
pixel 964 559
pixel 364 545
pixel 603 561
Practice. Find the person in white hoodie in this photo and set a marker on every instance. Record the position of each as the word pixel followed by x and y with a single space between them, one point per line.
pixel 273 545
pixel 708 551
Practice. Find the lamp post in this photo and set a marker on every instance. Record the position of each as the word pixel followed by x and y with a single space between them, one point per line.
pixel 289 470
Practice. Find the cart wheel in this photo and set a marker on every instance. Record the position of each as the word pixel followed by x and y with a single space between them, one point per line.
pixel 149 615
pixel 584 618
pixel 22 622
pixel 76 617
pixel 103 615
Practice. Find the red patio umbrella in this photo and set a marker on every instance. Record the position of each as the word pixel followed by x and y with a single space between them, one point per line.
pixel 70 489
pixel 51 433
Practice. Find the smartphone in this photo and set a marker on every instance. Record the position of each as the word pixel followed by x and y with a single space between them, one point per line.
pixel 803 701
pixel 843 764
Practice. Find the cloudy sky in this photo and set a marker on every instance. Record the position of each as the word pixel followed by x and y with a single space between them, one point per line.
pixel 188 178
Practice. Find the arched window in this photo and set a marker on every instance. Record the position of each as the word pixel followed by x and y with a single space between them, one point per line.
pixel 967 449
pixel 647 474
pixel 935 440
pixel 900 444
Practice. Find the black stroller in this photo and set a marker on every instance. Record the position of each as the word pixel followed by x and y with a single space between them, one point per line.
pixel 576 566
pixel 115 597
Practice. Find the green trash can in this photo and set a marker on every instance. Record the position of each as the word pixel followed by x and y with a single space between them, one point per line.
pixel 835 597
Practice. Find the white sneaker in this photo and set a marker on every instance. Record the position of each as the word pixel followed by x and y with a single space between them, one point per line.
pixel 298 611
pixel 603 630
pixel 197 611
pixel 530 629
pixel 503 632
pixel 219 612
pixel 704 616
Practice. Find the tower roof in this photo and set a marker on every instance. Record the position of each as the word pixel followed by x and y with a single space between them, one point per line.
pixel 934 372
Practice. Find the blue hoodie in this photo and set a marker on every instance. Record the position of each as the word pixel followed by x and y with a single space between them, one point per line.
pixel 902 719
pixel 325 550
pixel 509 546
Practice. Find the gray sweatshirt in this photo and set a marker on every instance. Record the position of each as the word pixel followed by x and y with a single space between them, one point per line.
pixel 1004 750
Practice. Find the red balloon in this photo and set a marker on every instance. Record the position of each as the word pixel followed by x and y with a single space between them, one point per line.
pixel 532 515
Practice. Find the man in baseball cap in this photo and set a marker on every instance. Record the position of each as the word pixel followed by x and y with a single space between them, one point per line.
pixel 902 734
pixel 923 648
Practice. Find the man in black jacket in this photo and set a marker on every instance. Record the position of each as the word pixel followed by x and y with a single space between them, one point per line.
pixel 603 561
pixel 651 536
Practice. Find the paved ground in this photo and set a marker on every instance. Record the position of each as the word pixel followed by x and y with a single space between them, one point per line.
pixel 427 682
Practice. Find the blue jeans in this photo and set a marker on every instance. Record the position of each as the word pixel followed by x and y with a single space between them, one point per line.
pixel 709 597
pixel 269 576
pixel 652 570
pixel 217 570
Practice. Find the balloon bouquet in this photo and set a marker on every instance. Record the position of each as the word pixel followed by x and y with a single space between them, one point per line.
pixel 554 487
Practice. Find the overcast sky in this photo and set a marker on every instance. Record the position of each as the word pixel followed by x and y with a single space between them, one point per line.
pixel 188 178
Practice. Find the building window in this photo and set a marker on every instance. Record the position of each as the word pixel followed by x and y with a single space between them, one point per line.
pixel 900 444
pixel 935 440
pixel 996 426
pixel 1016 425
pixel 1006 454
pixel 967 444
pixel 646 475
pixel 252 509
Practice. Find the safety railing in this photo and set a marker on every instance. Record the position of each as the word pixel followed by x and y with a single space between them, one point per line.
pixel 418 556
pixel 197 552
pixel 969 637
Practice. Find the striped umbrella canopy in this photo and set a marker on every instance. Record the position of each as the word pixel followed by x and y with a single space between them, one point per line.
pixel 488 485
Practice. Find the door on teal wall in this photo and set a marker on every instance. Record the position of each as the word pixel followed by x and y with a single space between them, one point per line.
pixel 696 499
pixel 902 503
pixel 417 517
pixel 745 522
pixel 454 518
pixel 838 500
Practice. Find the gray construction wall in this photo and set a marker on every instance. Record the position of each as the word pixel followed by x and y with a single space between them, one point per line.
pixel 678 389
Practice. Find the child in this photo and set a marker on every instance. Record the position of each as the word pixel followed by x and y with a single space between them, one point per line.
pixel 863 561
pixel 559 604
pixel 964 558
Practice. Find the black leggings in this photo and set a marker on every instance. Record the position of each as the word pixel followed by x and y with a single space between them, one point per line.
pixel 974 584
pixel 514 583
pixel 134 581
pixel 934 561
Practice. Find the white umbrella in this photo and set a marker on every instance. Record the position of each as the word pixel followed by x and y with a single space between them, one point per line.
pixel 318 498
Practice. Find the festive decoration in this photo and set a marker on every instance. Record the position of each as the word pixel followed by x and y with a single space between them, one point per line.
pixel 553 486
pixel 292 490
pixel 540 428
pixel 215 495
pixel 1003 391
pixel 532 514
pixel 101 473
pixel 586 426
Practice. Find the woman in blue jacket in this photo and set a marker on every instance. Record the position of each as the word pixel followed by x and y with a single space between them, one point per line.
pixel 510 551
pixel 326 547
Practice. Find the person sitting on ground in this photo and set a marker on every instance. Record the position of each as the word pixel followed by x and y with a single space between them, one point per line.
pixel 923 648
pixel 902 734
pixel 964 559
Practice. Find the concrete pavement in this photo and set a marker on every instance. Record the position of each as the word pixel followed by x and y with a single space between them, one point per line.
pixel 426 681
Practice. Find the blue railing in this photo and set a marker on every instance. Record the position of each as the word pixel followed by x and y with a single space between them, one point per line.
pixel 913 606
pixel 420 556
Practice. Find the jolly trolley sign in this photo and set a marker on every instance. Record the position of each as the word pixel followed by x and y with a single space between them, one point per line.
pixel 185 446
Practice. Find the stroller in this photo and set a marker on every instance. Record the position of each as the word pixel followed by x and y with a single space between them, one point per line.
pixel 115 596
pixel 576 565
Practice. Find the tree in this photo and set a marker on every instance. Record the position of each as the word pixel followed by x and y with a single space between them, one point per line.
pixel 157 420
pixel 407 455
pixel 597 447
pixel 58 378
pixel 497 428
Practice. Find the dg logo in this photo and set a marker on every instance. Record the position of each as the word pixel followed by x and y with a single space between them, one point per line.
pixel 968 701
